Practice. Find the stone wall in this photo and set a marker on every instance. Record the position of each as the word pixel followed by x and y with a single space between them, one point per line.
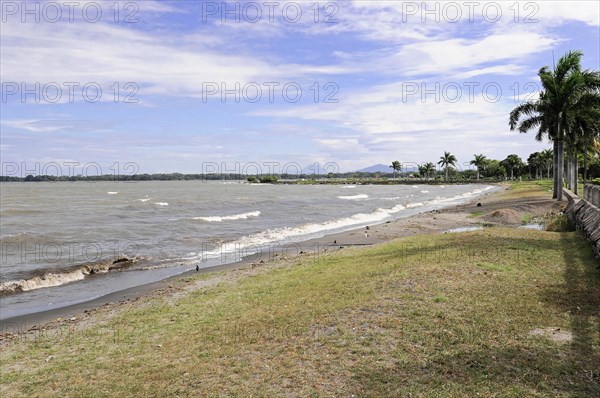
pixel 585 215
pixel 592 194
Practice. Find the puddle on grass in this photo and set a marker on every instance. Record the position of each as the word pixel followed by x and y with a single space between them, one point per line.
pixel 463 229
pixel 538 227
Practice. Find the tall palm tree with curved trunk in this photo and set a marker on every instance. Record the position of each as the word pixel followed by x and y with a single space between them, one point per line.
pixel 447 161
pixel 566 91
pixel 479 161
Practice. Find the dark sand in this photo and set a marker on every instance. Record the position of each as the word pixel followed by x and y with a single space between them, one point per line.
pixel 496 209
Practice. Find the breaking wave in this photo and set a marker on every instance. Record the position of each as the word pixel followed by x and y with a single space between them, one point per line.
pixel 241 216
pixel 354 197
pixel 58 277
pixel 314 229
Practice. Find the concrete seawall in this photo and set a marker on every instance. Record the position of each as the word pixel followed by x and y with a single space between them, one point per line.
pixel 586 216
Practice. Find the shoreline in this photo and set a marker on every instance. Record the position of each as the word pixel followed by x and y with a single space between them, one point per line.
pixel 429 222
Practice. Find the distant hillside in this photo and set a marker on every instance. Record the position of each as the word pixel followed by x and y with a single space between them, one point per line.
pixel 376 168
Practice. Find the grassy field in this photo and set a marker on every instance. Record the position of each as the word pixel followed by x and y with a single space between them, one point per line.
pixel 492 313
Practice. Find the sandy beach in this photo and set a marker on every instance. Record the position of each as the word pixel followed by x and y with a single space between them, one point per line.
pixel 490 209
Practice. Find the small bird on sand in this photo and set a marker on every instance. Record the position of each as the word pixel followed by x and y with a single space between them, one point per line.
pixel 197 267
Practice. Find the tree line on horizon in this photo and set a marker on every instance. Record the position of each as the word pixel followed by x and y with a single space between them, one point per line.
pixel 538 165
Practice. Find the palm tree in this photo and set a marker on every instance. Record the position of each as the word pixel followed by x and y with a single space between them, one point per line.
pixel 396 166
pixel 446 161
pixel 512 162
pixel 480 161
pixel 535 163
pixel 591 146
pixel 547 159
pixel 583 129
pixel 566 90
pixel 427 169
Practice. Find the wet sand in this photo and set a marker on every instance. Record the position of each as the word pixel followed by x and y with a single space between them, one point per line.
pixel 494 209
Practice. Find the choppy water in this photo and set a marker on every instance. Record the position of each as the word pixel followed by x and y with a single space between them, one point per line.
pixel 59 240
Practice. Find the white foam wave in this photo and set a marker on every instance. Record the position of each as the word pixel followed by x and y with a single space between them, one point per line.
pixel 48 280
pixel 348 186
pixel 242 216
pixel 461 197
pixel 144 200
pixel 112 193
pixel 54 278
pixel 424 191
pixel 354 197
pixel 297 233
pixel 161 203
pixel 293 233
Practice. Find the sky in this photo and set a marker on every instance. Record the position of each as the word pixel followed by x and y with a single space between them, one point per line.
pixel 199 86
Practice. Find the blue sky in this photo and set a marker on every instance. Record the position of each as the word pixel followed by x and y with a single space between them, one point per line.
pixel 395 81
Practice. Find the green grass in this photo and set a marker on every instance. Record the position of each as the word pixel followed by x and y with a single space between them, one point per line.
pixel 475 214
pixel 527 189
pixel 445 315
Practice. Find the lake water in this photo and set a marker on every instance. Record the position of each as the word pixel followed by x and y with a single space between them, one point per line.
pixel 58 240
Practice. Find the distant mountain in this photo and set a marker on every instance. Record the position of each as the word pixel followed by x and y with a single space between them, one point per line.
pixel 376 168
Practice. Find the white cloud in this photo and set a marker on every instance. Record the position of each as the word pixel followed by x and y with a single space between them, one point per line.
pixel 57 125
pixel 439 57
pixel 159 63
pixel 556 12
pixel 36 126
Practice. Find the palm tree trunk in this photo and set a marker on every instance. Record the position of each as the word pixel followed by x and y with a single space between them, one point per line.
pixel 569 177
pixel 555 174
pixel 559 171
pixel 585 155
pixel 575 175
pixel 446 173
pixel 478 174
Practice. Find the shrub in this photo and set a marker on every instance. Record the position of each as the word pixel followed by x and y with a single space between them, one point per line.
pixel 268 179
pixel 560 223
